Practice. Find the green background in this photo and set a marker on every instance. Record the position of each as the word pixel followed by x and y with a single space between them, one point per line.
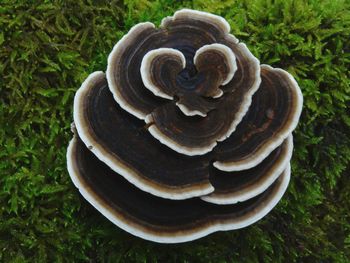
pixel 47 48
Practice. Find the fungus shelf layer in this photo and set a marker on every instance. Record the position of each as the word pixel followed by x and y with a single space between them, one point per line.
pixel 158 219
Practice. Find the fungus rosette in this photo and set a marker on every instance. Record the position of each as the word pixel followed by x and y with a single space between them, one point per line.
pixel 186 133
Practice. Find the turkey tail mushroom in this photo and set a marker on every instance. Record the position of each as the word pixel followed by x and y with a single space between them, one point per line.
pixel 186 134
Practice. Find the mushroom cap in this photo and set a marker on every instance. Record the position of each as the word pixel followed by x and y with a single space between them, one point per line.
pixel 272 116
pixel 187 67
pixel 157 219
pixel 239 186
pixel 162 69
pixel 124 144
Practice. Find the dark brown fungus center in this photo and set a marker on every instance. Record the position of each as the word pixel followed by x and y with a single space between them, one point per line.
pixel 191 77
pixel 188 78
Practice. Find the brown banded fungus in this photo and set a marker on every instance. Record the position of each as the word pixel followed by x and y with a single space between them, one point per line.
pixel 158 219
pixel 186 133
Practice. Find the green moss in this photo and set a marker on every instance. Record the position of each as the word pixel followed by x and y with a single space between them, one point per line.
pixel 46 51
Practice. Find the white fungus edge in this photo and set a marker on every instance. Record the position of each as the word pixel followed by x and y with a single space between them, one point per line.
pixel 199 15
pixel 258 187
pixel 228 54
pixel 157 134
pixel 273 142
pixel 104 156
pixel 121 44
pixel 146 65
pixel 259 212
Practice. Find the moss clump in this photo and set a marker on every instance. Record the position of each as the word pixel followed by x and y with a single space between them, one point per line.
pixel 46 51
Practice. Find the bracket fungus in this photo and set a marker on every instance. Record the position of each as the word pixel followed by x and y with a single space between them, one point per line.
pixel 186 133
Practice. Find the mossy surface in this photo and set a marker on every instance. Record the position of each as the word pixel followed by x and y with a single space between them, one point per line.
pixel 47 48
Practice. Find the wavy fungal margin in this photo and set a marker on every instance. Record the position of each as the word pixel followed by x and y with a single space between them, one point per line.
pixel 219 21
pixel 163 235
pixel 255 187
pixel 113 57
pixel 90 139
pixel 88 134
pixel 186 134
pixel 143 106
pixel 276 139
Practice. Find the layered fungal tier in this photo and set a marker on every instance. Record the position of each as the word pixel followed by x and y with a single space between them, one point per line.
pixel 186 133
